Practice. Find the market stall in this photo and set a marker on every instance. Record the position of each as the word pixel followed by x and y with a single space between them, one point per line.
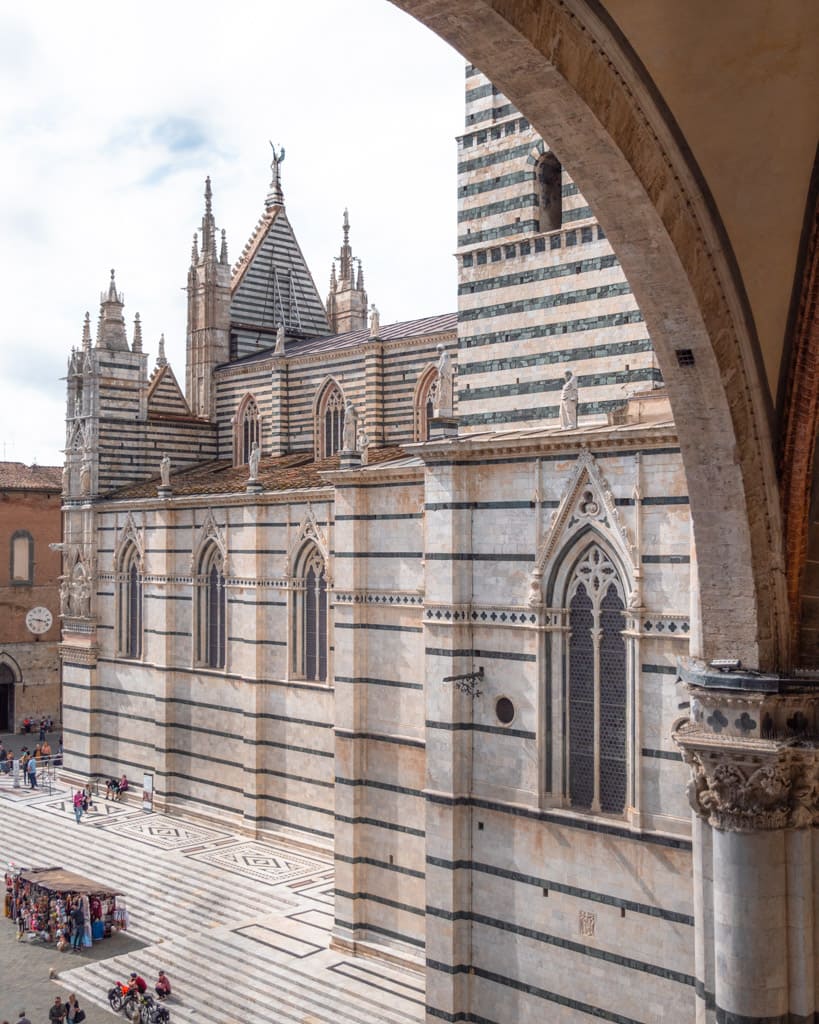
pixel 40 900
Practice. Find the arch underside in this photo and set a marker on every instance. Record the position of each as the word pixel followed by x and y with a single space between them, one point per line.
pixel 585 91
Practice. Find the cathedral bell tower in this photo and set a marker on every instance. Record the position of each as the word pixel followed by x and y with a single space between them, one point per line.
pixel 347 300
pixel 208 335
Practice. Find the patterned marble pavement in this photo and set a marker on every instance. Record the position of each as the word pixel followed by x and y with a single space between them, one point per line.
pixel 241 927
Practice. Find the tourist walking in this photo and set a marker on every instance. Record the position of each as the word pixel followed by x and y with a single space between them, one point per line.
pixel 73 1013
pixel 77 925
pixel 77 801
pixel 56 1015
pixel 32 771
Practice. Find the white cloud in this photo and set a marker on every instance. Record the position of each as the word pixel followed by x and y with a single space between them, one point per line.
pixel 112 116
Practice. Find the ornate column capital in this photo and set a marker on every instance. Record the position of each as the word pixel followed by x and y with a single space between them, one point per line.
pixel 742 781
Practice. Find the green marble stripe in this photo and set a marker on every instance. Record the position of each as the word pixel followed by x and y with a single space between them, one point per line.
pixel 535 387
pixel 595 294
pixel 502 157
pixel 592 323
pixel 490 234
pixel 502 206
pixel 539 274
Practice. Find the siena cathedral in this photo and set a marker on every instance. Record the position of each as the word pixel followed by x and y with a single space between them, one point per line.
pixel 413 592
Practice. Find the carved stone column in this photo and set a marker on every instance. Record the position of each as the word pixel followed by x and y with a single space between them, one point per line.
pixel 754 786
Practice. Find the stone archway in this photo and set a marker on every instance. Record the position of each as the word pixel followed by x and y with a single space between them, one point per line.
pixel 566 67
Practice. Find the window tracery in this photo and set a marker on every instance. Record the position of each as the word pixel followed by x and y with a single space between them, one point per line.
pixel 310 619
pixel 129 599
pixel 330 421
pixel 211 609
pixel 248 430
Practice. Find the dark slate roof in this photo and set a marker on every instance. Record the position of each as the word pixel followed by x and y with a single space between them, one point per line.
pixel 446 322
pixel 15 476
pixel 282 473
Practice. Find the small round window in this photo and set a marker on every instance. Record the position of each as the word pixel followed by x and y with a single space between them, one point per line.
pixel 505 710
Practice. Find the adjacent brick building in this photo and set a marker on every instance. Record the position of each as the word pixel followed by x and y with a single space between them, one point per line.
pixel 30 520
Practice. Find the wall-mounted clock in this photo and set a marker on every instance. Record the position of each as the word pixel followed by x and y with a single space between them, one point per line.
pixel 39 620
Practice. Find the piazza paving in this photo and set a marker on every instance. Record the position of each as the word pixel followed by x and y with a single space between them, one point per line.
pixel 241 926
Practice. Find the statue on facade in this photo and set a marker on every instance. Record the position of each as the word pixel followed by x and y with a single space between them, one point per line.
pixel 85 478
pixel 65 597
pixel 568 402
pixel 443 390
pixel 362 443
pixel 279 349
pixel 165 470
pixel 375 321
pixel 253 461
pixel 350 431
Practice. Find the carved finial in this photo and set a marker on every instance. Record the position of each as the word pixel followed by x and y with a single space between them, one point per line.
pixel 360 279
pixel 86 333
pixel 275 197
pixel 195 249
pixel 208 197
pixel 112 288
pixel 223 255
pixel 137 346
pixel 333 279
pixel 160 359
pixel 345 226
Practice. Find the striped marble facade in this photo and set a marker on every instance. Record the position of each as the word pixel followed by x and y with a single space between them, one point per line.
pixel 436 759
pixel 533 301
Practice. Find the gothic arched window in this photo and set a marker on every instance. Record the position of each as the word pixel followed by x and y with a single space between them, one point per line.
pixel 330 421
pixel 129 600
pixel 549 192
pixel 211 608
pixel 248 430
pixel 310 619
pixel 597 702
pixel 424 408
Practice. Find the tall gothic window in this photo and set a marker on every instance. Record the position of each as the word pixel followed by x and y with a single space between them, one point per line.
pixel 424 403
pixel 129 624
pixel 549 192
pixel 211 609
pixel 330 424
pixel 597 687
pixel 310 619
pixel 21 561
pixel 248 429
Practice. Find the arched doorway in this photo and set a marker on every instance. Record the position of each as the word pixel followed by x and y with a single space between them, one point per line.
pixel 6 698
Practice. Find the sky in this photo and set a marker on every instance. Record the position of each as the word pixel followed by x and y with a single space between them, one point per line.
pixel 111 117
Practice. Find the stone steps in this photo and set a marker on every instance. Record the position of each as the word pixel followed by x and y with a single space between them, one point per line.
pixel 196 918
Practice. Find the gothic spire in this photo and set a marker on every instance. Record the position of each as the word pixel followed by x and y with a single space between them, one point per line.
pixel 111 331
pixel 160 358
pixel 223 255
pixel 208 225
pixel 86 333
pixel 195 249
pixel 137 346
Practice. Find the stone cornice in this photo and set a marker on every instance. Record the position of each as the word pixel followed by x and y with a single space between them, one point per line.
pixel 179 503
pixel 537 441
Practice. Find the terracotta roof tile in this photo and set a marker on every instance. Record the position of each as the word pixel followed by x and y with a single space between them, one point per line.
pixel 15 476
pixel 282 473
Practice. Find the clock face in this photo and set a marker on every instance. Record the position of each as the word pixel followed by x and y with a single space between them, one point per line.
pixel 39 620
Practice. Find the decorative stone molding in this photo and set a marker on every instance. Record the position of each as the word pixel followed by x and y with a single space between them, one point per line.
pixel 389 598
pixel 79 655
pixel 307 532
pixel 742 781
pixel 210 532
pixel 586 500
pixel 481 616
pixel 666 626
